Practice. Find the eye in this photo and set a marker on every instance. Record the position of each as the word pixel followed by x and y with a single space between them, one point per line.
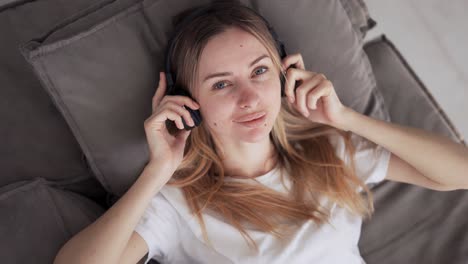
pixel 217 87
pixel 262 67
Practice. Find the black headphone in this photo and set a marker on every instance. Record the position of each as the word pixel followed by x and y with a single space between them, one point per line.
pixel 172 89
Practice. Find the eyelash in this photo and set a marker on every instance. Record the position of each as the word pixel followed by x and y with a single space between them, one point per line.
pixel 214 85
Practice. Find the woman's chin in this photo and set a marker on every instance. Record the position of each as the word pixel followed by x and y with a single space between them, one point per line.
pixel 255 134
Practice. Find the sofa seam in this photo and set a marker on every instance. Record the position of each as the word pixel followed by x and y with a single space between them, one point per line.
pixel 26 185
pixel 58 216
pixel 70 181
pixel 59 44
pixel 73 18
pixel 14 4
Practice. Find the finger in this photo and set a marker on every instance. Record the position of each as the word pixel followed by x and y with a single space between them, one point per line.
pixel 293 59
pixel 183 100
pixel 314 81
pixel 174 116
pixel 159 91
pixel 301 93
pixel 164 114
pixel 322 89
pixel 181 111
pixel 292 76
pixel 308 90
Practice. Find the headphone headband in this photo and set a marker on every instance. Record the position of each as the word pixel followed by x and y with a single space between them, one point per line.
pixel 198 11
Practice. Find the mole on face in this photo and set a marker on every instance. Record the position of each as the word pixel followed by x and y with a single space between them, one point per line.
pixel 241 46
pixel 215 123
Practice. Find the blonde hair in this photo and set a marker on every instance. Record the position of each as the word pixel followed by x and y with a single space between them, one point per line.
pixel 303 148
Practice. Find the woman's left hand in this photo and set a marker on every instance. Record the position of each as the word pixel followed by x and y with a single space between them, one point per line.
pixel 315 97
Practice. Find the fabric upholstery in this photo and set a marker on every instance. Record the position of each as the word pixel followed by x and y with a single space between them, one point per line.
pixel 407 99
pixel 37 218
pixel 412 224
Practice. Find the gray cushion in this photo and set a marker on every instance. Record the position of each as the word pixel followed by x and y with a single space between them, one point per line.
pixel 38 218
pixel 103 78
pixel 412 224
pixel 34 137
pixel 408 100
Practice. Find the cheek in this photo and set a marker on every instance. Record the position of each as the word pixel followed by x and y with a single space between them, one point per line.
pixel 217 113
pixel 273 97
pixel 273 93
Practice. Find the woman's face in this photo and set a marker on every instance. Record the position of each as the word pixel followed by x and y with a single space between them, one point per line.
pixel 230 87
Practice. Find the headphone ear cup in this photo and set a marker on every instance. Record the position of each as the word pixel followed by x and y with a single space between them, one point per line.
pixel 283 81
pixel 196 116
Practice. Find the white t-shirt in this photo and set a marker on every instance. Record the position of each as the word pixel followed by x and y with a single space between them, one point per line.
pixel 173 235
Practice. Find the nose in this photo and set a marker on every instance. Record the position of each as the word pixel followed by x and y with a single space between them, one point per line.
pixel 248 96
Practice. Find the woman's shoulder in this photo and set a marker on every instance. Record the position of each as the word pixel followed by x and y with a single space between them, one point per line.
pixel 174 196
pixel 159 203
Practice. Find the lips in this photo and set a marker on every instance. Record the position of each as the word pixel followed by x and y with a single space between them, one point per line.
pixel 250 117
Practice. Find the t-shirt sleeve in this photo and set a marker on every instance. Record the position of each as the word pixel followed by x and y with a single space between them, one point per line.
pixel 158 227
pixel 371 160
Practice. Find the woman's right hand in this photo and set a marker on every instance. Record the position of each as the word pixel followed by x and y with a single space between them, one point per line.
pixel 163 146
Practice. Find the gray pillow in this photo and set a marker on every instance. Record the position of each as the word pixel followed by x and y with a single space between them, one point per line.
pixel 37 219
pixel 102 79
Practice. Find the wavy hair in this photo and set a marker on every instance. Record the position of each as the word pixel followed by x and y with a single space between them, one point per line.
pixel 303 150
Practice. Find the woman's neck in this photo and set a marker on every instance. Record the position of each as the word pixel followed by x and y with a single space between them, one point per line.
pixel 252 170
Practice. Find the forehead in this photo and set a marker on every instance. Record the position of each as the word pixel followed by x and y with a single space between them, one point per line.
pixel 225 51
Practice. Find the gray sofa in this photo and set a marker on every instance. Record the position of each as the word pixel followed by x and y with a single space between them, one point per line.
pixel 50 188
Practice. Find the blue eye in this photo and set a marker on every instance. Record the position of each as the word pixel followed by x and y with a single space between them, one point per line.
pixel 266 68
pixel 216 87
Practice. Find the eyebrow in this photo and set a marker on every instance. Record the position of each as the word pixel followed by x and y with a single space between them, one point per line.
pixel 219 74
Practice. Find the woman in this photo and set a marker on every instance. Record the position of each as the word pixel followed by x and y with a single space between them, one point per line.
pixel 281 188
